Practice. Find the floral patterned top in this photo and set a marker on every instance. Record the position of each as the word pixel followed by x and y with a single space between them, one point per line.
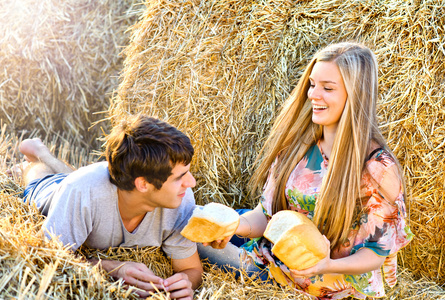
pixel 381 228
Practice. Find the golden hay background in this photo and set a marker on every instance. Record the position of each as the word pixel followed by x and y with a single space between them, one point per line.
pixel 220 70
pixel 60 64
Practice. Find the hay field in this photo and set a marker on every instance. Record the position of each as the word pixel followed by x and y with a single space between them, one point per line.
pixel 220 70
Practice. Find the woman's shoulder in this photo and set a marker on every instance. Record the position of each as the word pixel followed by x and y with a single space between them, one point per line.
pixel 379 160
pixel 383 171
pixel 380 155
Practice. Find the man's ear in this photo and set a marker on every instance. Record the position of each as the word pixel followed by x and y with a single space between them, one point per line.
pixel 142 185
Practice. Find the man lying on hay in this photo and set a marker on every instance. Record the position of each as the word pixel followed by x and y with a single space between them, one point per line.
pixel 141 196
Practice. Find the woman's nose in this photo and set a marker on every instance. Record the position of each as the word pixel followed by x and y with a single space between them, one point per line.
pixel 313 93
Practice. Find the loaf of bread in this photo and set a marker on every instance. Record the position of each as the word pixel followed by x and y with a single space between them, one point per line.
pixel 297 241
pixel 211 222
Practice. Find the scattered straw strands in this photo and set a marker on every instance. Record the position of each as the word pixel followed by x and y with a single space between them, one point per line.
pixel 29 265
pixel 221 69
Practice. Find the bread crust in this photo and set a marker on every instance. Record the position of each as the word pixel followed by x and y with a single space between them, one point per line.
pixel 203 230
pixel 301 245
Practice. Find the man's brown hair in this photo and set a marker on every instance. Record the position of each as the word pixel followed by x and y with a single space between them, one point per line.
pixel 142 146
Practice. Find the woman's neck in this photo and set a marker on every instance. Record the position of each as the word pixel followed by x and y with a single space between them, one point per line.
pixel 327 141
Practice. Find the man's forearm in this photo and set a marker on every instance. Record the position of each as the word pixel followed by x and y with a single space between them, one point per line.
pixel 195 277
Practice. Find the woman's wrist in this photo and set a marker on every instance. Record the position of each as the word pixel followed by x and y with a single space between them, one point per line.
pixel 330 267
pixel 244 227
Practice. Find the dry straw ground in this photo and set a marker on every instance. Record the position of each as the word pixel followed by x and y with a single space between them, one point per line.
pixel 221 69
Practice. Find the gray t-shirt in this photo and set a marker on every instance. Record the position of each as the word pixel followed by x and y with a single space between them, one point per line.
pixel 84 210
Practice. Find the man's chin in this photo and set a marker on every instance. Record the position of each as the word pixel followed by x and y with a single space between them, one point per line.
pixel 177 203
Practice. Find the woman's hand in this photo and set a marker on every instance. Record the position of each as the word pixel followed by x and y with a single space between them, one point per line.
pixel 252 224
pixel 363 261
pixel 322 267
pixel 218 244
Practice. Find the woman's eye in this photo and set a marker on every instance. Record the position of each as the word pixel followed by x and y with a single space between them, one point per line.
pixel 328 89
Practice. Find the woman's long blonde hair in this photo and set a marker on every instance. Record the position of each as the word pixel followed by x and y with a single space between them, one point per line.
pixel 293 133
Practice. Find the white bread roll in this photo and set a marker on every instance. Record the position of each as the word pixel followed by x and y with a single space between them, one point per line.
pixel 297 241
pixel 211 222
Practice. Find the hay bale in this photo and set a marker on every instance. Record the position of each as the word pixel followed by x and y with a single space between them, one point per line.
pixel 60 63
pixel 220 70
pixel 207 67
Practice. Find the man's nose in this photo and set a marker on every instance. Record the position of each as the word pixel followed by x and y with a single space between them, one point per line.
pixel 189 181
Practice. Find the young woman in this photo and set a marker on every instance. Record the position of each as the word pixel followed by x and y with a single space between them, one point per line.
pixel 325 157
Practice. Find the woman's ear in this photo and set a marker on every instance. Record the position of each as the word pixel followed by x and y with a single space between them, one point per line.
pixel 142 185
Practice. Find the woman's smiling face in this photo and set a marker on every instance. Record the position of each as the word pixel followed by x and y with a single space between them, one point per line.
pixel 327 93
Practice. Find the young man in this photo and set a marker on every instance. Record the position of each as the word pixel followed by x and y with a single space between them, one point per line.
pixel 141 196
